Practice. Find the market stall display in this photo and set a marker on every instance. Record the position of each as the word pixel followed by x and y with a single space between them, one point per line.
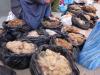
pixel 53 48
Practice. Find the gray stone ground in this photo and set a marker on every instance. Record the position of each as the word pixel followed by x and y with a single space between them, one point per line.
pixel 83 70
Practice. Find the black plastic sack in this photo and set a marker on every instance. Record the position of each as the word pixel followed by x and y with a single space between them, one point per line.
pixel 73 8
pixel 35 68
pixel 2 31
pixel 25 28
pixel 63 35
pixel 75 49
pixel 22 28
pixel 52 39
pixel 93 21
pixel 39 31
pixel 40 40
pixel 44 25
pixel 6 71
pixel 6 25
pixel 60 35
pixel 17 61
pixel 11 35
pixel 80 21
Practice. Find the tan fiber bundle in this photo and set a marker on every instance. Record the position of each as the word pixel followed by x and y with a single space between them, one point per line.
pixel 89 8
pixel 70 29
pixel 63 43
pixel 16 22
pixel 76 39
pixel 33 34
pixel 52 63
pixel 51 23
pixel 19 47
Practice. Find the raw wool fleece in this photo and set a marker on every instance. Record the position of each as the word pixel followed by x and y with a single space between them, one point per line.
pixel 50 32
pixel 16 22
pixel 70 29
pixel 17 54
pixel 63 43
pixel 84 1
pixel 33 34
pixel 76 39
pixel 19 47
pixel 89 9
pixel 51 23
pixel 53 63
pixel 66 19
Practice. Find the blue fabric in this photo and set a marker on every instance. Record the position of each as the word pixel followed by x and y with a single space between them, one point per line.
pixel 32 11
pixel 68 1
pixel 90 55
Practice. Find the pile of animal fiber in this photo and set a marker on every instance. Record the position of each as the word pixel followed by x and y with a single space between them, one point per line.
pixel 19 47
pixel 53 63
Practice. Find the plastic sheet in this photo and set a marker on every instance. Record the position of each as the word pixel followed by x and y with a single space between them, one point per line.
pixel 11 35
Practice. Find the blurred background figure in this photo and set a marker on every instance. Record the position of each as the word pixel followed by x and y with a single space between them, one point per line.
pixel 55 5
